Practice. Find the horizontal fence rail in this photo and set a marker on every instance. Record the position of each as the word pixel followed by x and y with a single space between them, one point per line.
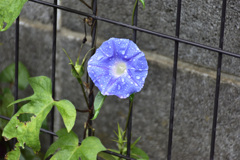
pixel 139 29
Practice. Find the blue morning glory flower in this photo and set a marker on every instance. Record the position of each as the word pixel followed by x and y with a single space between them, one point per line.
pixel 118 68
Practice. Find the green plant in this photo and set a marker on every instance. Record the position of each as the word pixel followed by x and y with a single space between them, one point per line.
pixel 26 123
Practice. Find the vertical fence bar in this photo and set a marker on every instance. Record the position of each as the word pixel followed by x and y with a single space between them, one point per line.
pixel 129 127
pixel 54 43
pixel 174 82
pixel 16 62
pixel 16 67
pixel 218 80
pixel 94 30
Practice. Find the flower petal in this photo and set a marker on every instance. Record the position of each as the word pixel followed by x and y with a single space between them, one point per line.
pixel 118 68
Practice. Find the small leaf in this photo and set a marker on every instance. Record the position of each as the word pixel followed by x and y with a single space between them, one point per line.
pixel 134 143
pixel 98 102
pixel 67 143
pixel 138 154
pixel 90 147
pixel 107 156
pixel 8 75
pixel 71 62
pixel 9 11
pixel 68 113
pixel 79 69
pixel 68 149
pixel 40 104
pixel 143 3
pixel 84 59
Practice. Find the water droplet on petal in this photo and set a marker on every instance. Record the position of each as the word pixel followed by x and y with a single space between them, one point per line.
pixel 119 87
pixel 137 77
pixel 136 84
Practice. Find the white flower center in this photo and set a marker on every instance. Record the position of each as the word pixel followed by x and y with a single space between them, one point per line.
pixel 120 68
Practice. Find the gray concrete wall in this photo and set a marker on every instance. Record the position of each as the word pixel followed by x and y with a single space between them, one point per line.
pixel 200 22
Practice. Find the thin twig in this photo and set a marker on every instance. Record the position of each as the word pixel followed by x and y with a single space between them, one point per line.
pixel 85 4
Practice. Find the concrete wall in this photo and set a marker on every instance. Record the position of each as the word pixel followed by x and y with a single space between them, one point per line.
pixel 200 22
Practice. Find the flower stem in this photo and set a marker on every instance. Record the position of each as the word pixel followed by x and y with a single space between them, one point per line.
pixel 135 5
pixel 129 112
pixel 82 87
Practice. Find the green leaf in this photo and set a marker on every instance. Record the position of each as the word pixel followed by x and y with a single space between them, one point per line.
pixel 68 149
pixel 9 11
pixel 28 154
pixel 39 105
pixel 68 145
pixel 68 112
pixel 77 70
pixel 8 75
pixel 80 68
pixel 107 156
pixel 14 154
pixel 143 3
pixel 138 154
pixel 6 99
pixel 90 147
pixel 134 143
pixel 98 102
pixel 71 62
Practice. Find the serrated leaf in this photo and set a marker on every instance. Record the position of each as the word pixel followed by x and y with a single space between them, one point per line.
pixel 98 102
pixel 13 154
pixel 90 147
pixel 39 105
pixel 143 3
pixel 8 75
pixel 67 143
pixel 9 11
pixel 6 99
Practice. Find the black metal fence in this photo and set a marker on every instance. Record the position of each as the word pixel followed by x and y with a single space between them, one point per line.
pixel 136 29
